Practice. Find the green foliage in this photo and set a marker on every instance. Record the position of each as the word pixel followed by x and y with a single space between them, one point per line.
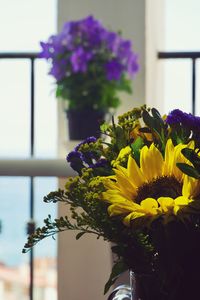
pixel 136 146
pixel 91 90
pixel 194 159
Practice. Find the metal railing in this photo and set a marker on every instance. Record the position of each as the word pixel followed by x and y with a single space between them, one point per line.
pixel 31 225
pixel 32 167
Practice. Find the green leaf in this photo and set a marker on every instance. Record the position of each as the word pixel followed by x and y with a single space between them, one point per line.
pixel 192 156
pixel 58 92
pixel 117 269
pixel 120 137
pixel 136 146
pixel 104 127
pixel 156 115
pixel 148 120
pixel 189 153
pixel 79 235
pixel 188 170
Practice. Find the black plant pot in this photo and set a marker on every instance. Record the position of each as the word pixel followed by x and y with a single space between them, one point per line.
pixel 84 123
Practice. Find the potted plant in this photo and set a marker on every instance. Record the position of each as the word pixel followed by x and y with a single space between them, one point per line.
pixel 90 65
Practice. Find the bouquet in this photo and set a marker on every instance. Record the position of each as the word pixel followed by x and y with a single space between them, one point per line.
pixel 90 64
pixel 139 188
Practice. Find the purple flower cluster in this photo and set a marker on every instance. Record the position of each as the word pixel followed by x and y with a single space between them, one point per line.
pixel 88 140
pixel 85 43
pixel 78 159
pixel 189 121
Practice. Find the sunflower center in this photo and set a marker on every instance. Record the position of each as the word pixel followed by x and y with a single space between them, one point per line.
pixel 160 187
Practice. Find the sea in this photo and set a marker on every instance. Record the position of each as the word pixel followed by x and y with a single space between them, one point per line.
pixel 15 213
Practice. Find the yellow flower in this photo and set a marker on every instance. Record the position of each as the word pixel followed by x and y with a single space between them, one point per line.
pixel 156 188
pixel 135 133
pixel 123 154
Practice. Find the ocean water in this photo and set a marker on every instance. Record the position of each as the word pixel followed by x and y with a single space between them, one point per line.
pixel 14 215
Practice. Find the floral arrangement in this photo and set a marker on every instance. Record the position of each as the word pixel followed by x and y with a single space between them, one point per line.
pixel 139 188
pixel 90 64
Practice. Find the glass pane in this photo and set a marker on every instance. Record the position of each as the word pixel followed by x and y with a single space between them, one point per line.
pixel 177 85
pixel 14 210
pixel 25 23
pixel 45 112
pixel 182 22
pixel 15 108
pixel 198 88
pixel 45 252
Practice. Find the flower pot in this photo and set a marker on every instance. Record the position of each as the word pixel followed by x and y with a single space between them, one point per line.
pixel 84 123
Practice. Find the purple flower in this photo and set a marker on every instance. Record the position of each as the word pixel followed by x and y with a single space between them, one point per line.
pixel 79 60
pixel 132 64
pixel 101 163
pixel 58 71
pixel 76 161
pixel 124 50
pixel 73 155
pixel 86 48
pixel 112 41
pixel 113 70
pixel 46 50
pixel 177 116
pixel 88 140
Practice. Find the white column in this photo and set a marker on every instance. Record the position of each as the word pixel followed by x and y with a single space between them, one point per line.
pixel 84 265
pixel 155 34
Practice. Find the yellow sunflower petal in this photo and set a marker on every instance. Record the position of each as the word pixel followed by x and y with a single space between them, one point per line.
pixel 125 184
pixel 172 156
pixel 151 162
pixel 110 184
pixel 150 206
pixel 134 172
pixel 169 158
pixel 191 187
pixel 121 208
pixel 132 216
pixel 178 157
pixel 180 202
pixel 112 196
pixel 166 204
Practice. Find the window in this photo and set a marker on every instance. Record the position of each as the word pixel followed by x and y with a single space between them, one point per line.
pixel 23 25
pixel 181 22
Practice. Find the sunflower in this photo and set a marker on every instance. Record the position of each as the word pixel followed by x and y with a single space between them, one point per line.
pixel 155 188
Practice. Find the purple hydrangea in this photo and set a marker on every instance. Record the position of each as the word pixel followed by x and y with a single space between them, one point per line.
pixel 85 42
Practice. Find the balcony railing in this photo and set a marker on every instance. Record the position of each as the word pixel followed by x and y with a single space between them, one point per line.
pixel 32 167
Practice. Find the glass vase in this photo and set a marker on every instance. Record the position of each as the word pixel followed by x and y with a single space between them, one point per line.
pixel 126 292
pixel 134 288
